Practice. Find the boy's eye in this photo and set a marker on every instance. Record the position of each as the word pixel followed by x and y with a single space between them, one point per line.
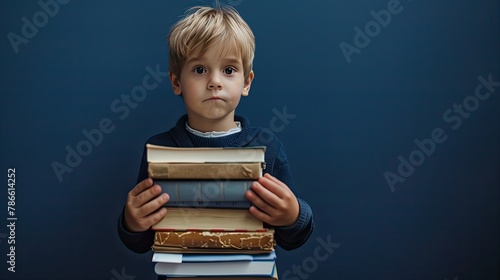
pixel 229 70
pixel 199 70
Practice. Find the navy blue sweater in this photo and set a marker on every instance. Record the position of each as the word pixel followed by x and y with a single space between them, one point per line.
pixel 276 164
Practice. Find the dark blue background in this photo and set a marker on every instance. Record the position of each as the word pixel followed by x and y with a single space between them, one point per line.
pixel 352 121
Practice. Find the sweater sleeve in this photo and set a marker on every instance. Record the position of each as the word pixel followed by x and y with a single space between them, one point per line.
pixel 139 242
pixel 293 236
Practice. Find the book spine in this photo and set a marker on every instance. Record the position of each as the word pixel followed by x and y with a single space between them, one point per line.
pixel 205 170
pixel 200 192
pixel 211 204
pixel 208 219
pixel 177 250
pixel 216 240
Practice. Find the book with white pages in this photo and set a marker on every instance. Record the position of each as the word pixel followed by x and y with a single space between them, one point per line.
pixel 216 265
pixel 183 258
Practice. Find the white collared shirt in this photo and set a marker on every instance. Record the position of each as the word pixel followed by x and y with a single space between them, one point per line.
pixel 214 134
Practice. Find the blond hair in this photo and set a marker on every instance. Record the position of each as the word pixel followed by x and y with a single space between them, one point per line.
pixel 204 28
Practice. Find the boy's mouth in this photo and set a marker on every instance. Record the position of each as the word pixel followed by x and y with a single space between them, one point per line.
pixel 214 98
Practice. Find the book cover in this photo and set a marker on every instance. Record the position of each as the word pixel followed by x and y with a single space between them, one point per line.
pixel 177 250
pixel 199 192
pixel 272 277
pixel 207 219
pixel 208 170
pixel 263 240
pixel 233 268
pixel 183 258
pixel 157 153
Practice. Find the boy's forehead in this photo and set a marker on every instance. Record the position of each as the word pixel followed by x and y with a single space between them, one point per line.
pixel 222 54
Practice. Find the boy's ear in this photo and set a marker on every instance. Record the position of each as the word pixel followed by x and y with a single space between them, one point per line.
pixel 248 83
pixel 176 83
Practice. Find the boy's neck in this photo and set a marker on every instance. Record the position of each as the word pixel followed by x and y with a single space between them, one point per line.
pixel 207 125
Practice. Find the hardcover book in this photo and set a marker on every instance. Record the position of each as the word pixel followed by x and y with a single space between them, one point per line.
pixel 251 240
pixel 213 251
pixel 214 170
pixel 207 219
pixel 211 265
pixel 199 192
pixel 157 153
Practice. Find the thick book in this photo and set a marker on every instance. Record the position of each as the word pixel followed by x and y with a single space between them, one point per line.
pixel 272 277
pixel 211 265
pixel 251 240
pixel 207 170
pixel 208 219
pixel 157 153
pixel 210 204
pixel 200 192
pixel 183 258
pixel 177 250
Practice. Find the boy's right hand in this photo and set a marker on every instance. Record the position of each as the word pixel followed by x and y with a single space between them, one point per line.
pixel 144 206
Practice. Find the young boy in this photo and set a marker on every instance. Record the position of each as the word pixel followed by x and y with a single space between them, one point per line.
pixel 210 54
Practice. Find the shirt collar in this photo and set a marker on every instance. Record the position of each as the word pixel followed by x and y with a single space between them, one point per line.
pixel 214 134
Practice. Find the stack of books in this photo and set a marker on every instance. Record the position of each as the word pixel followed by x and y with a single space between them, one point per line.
pixel 208 232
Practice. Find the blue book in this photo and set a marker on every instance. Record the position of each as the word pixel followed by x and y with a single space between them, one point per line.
pixel 186 258
pixel 261 268
pixel 206 193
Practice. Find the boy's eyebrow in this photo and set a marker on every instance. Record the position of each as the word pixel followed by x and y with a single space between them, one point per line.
pixel 232 60
pixel 225 60
pixel 192 59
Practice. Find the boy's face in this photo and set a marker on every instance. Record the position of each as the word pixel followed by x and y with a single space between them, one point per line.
pixel 211 87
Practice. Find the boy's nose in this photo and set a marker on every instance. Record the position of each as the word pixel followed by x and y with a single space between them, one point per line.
pixel 215 82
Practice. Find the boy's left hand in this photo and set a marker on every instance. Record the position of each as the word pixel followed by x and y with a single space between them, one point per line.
pixel 273 202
